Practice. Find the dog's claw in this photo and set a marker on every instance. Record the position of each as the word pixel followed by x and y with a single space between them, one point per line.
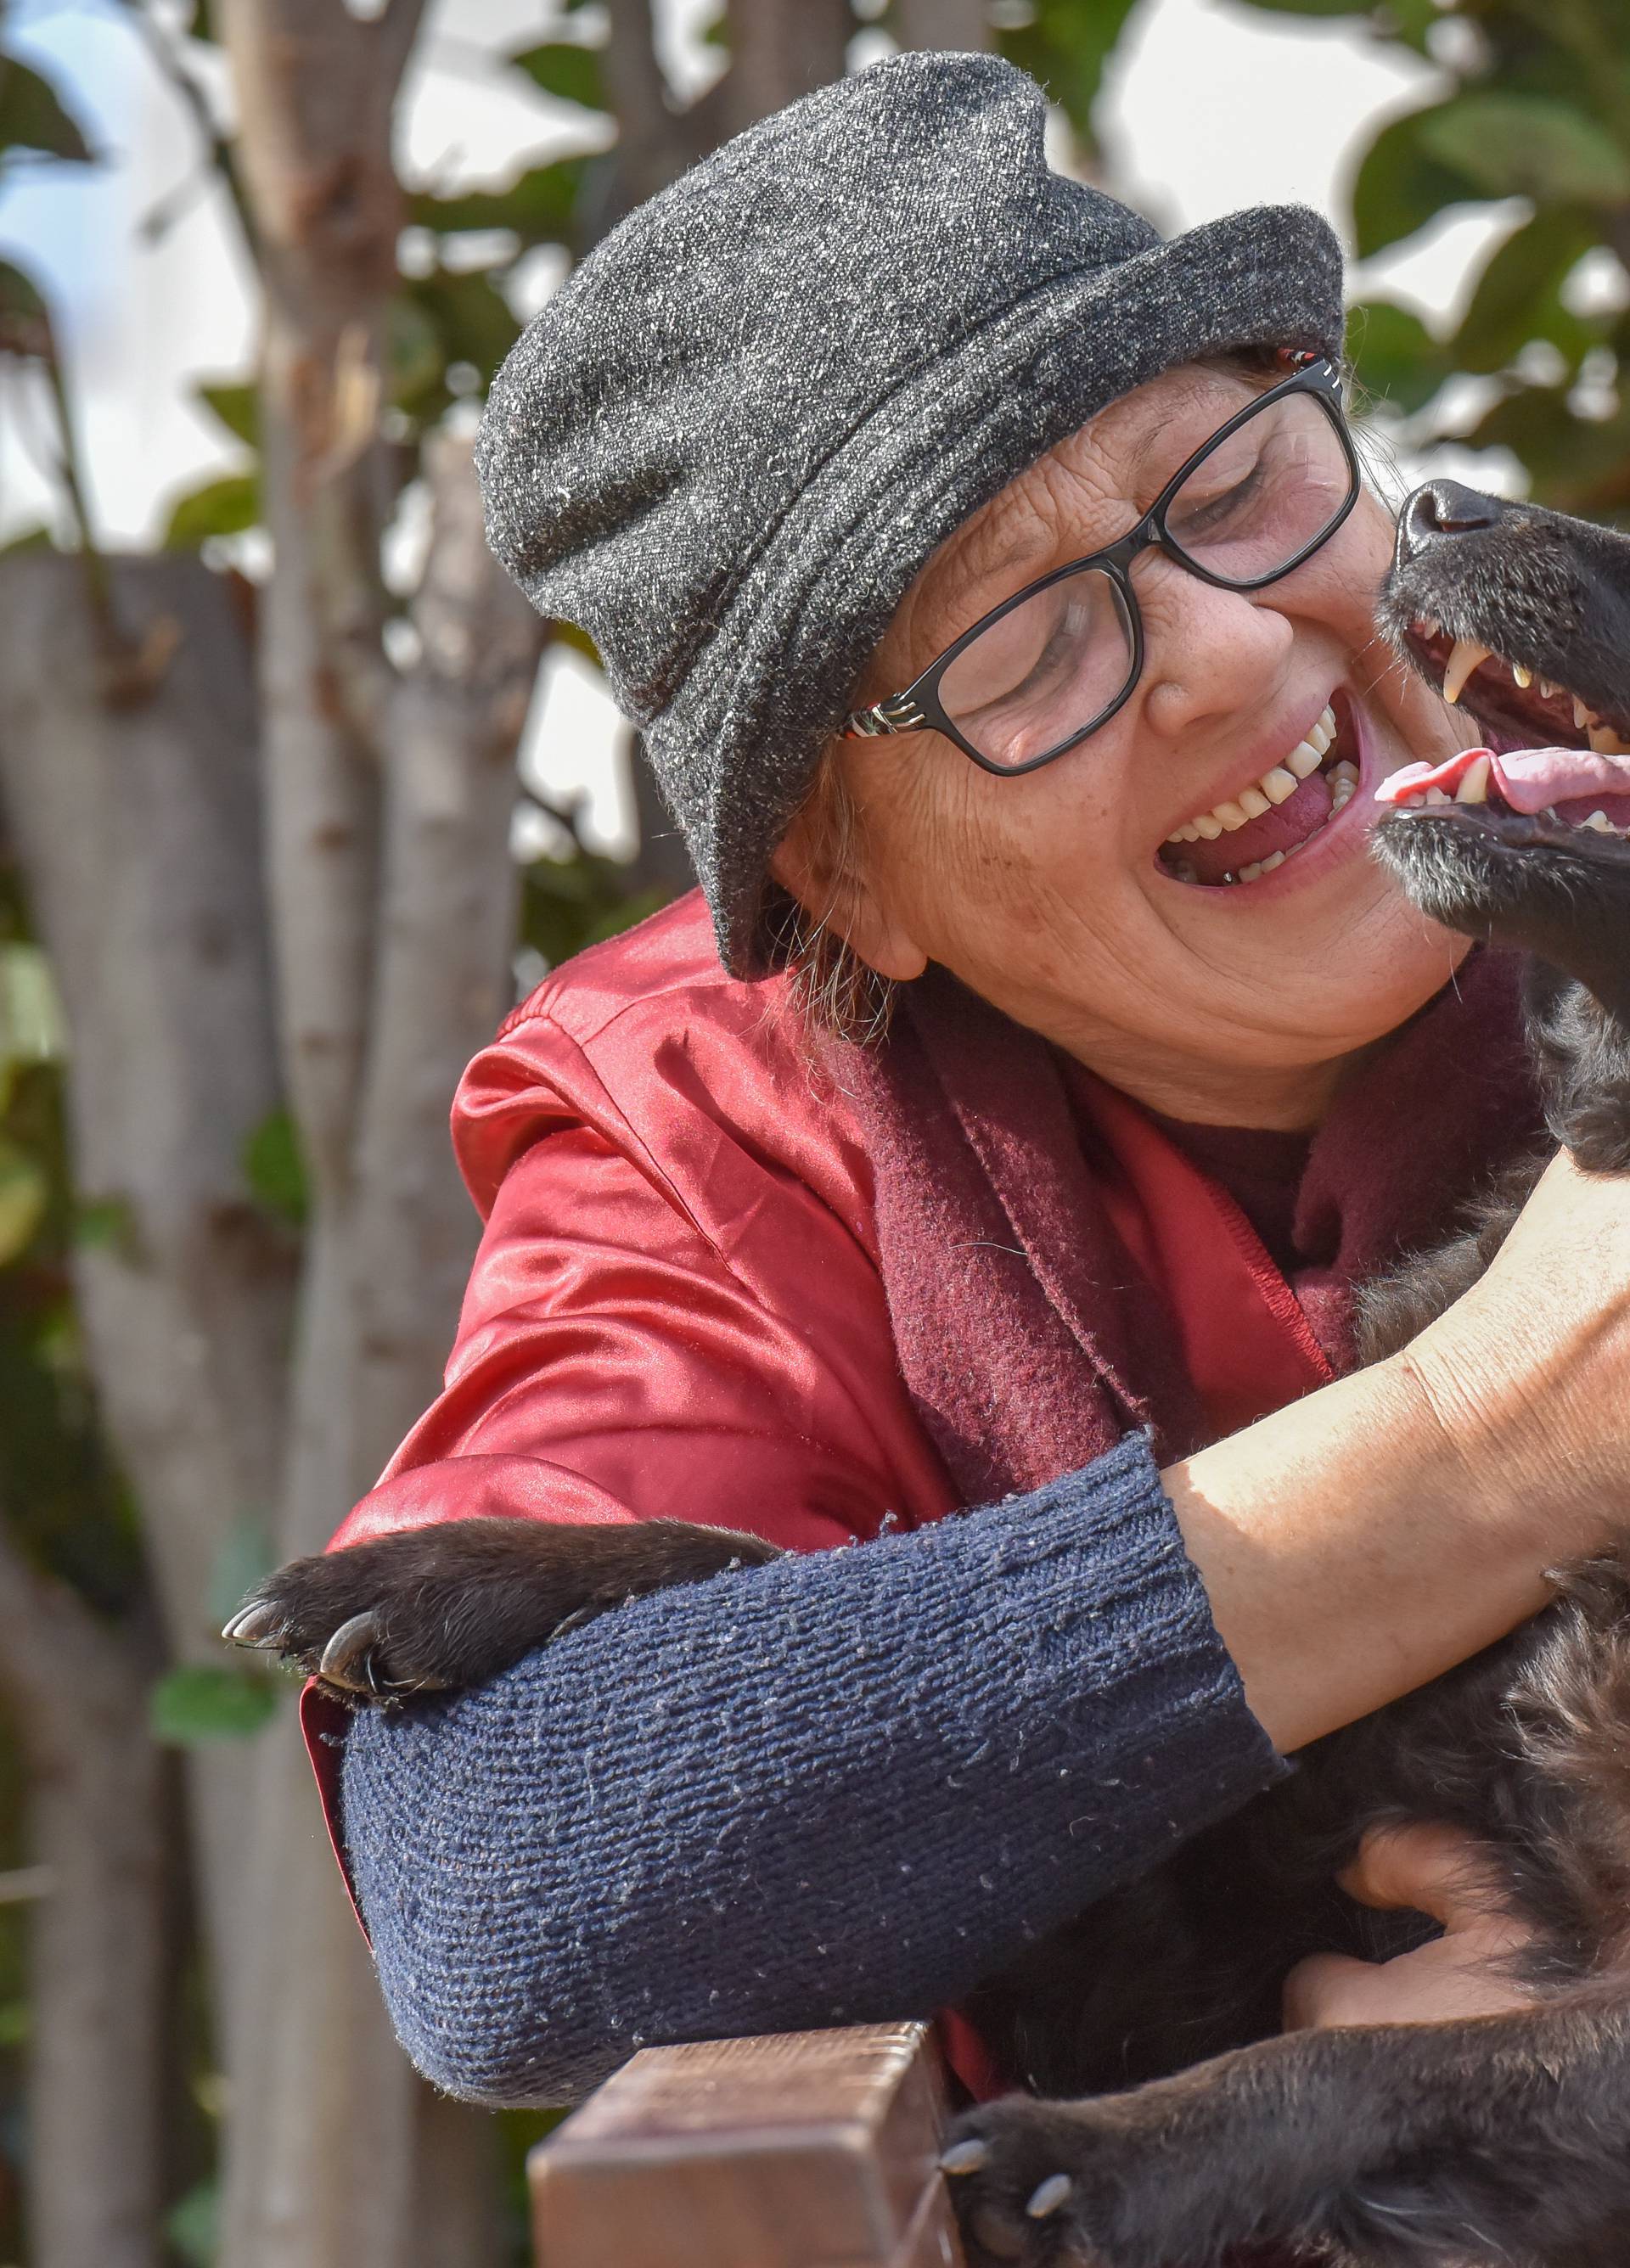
pixel 345 1659
pixel 1049 2196
pixel 964 2157
pixel 255 1624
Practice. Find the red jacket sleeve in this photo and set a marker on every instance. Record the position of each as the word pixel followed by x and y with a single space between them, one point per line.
pixel 674 1310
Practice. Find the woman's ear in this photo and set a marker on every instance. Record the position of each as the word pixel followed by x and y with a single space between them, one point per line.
pixel 827 879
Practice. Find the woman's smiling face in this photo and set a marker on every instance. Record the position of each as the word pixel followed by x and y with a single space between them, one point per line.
pixel 1087 898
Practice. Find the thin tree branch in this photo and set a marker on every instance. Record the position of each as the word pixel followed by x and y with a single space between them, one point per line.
pixel 196 101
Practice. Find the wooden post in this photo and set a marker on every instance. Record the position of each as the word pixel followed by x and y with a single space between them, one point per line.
pixel 801 2150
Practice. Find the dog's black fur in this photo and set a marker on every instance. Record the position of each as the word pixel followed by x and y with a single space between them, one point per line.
pixel 1505 2139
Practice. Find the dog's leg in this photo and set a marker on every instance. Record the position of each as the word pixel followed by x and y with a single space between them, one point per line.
pixel 449 1606
pixel 1504 2139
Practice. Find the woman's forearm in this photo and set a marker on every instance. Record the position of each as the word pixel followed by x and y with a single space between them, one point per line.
pixel 1349 1553
pixel 843 1787
pixel 1366 1539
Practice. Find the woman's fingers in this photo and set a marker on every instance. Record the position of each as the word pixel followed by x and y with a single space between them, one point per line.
pixel 1452 1977
pixel 1435 1869
pixel 1466 1972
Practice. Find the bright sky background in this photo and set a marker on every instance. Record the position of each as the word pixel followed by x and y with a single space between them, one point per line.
pixel 1211 106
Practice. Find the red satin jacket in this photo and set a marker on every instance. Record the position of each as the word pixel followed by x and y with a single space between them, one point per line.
pixel 677 1308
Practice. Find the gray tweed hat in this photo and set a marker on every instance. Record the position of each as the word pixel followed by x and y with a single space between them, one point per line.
pixel 729 442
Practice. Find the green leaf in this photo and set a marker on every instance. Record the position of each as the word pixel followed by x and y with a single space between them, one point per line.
pixel 25 1194
pixel 238 406
pixel 1408 20
pixel 577 637
pixel 107 1225
pixel 24 319
pixel 201 1703
pixel 274 1170
pixel 1067 46
pixel 1402 184
pixel 1576 464
pixel 568 71
pixel 221 507
pixel 193 2225
pixel 538 205
pixel 1397 359
pixel 1527 146
pixel 470 318
pixel 1519 295
pixel 32 118
pixel 33 1026
pixel 414 357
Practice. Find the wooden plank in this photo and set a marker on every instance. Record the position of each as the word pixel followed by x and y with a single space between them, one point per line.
pixel 799 2150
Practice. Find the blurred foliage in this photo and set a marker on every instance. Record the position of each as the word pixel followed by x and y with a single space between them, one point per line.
pixel 275 1171
pixel 1066 45
pixel 203 1702
pixel 1538 110
pixel 31 116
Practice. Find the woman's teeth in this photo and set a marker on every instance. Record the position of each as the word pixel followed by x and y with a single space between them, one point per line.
pixel 1275 786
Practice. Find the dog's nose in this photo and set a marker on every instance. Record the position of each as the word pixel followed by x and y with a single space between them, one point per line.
pixel 1440 509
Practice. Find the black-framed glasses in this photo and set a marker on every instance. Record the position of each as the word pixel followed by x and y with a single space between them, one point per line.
pixel 1034 676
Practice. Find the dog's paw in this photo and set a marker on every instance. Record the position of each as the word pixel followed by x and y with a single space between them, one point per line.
pixel 436 1608
pixel 1045 2184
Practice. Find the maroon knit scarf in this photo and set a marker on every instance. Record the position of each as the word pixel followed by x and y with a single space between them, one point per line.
pixel 1029 1338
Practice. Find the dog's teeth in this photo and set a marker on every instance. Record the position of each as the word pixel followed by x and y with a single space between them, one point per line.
pixel 1427 626
pixel 1464 656
pixel 1549 690
pixel 1473 783
pixel 1522 675
pixel 1436 795
pixel 1600 822
pixel 1583 717
pixel 964 2157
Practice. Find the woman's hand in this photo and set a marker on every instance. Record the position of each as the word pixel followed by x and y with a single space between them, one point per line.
pixel 1465 1972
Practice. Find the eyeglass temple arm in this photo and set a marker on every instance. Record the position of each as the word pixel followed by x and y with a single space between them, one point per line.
pixel 898 714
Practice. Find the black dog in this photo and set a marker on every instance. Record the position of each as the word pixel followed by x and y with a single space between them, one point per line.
pixel 1502 2140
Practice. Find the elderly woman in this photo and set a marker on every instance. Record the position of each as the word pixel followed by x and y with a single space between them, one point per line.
pixel 992 583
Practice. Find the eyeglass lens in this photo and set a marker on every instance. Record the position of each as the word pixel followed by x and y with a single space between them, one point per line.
pixel 1047 670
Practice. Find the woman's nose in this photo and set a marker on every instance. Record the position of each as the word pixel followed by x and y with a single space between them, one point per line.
pixel 1208 651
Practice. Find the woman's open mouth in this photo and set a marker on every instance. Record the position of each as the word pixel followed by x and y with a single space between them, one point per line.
pixel 1253 833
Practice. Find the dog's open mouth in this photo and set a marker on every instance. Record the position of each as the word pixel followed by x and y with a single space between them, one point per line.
pixel 1547 759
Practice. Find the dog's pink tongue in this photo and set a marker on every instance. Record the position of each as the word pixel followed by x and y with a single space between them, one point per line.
pixel 1529 779
pixel 1532 779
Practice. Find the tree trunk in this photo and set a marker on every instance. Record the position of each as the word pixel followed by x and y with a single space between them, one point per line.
pixel 138 829
pixel 77 1690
